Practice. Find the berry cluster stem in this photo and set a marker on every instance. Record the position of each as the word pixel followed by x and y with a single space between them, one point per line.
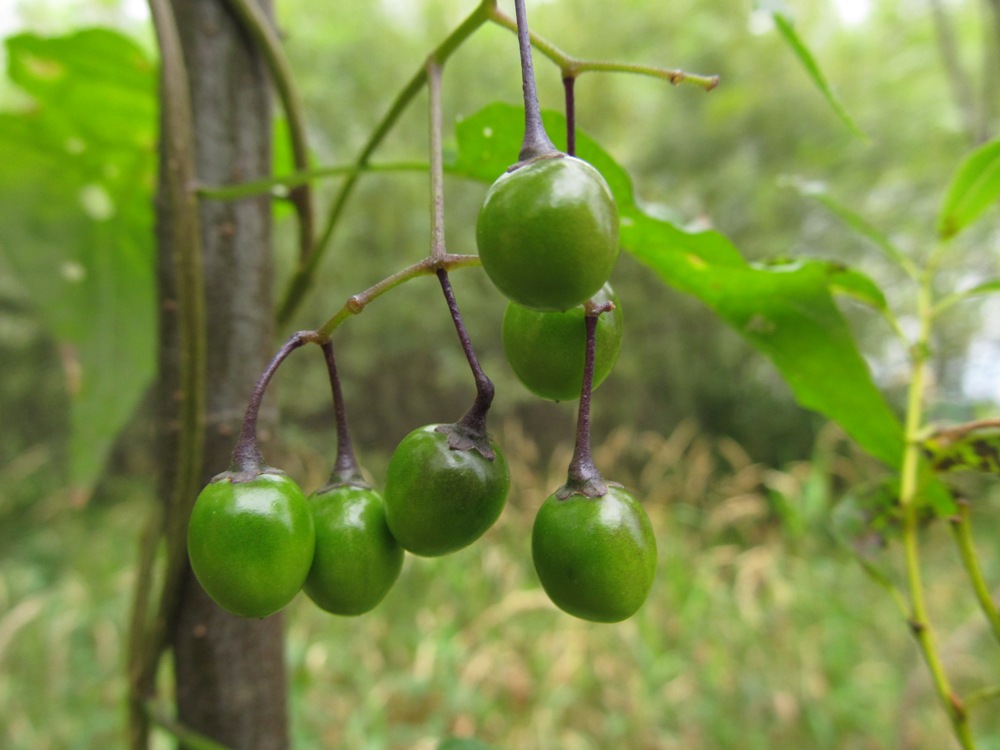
pixel 569 88
pixel 583 475
pixel 536 140
pixel 246 455
pixel 475 419
pixel 345 469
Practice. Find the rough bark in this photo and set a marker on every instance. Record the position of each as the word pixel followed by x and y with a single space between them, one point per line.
pixel 229 671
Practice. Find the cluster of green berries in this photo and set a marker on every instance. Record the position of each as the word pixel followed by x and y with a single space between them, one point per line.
pixel 548 239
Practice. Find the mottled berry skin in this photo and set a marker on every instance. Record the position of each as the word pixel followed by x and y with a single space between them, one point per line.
pixel 251 542
pixel 357 559
pixel 595 557
pixel 548 233
pixel 547 349
pixel 438 499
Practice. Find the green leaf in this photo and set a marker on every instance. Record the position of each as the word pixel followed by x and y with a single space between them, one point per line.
pixel 77 180
pixel 786 311
pixel 974 187
pixel 806 59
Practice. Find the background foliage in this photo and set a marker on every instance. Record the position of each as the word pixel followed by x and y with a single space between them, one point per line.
pixel 740 489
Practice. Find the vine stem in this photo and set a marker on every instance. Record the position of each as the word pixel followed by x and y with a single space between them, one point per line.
pixel 259 27
pixel 962 531
pixel 920 624
pixel 147 636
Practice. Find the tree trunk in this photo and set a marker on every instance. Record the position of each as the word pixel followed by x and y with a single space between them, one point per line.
pixel 229 671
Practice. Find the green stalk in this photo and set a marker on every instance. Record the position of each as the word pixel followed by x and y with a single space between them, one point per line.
pixel 250 188
pixel 920 624
pixel 960 526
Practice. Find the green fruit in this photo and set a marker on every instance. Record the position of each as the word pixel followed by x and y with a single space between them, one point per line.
pixel 548 233
pixel 251 541
pixel 438 499
pixel 547 349
pixel 595 557
pixel 357 559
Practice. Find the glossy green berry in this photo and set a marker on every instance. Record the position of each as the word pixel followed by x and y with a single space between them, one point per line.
pixel 251 541
pixel 439 499
pixel 357 559
pixel 595 557
pixel 548 233
pixel 547 349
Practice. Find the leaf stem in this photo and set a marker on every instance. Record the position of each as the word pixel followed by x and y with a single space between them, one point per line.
pixel 920 625
pixel 962 531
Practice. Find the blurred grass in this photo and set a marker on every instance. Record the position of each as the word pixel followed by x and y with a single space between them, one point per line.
pixel 760 632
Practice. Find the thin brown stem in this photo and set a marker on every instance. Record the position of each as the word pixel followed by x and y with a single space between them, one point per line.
pixel 569 86
pixel 247 459
pixel 474 420
pixel 536 141
pixel 346 469
pixel 584 478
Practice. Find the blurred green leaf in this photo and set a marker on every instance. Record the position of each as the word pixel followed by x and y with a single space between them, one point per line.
pixel 975 185
pixel 805 57
pixel 76 182
pixel 861 225
pixel 786 311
